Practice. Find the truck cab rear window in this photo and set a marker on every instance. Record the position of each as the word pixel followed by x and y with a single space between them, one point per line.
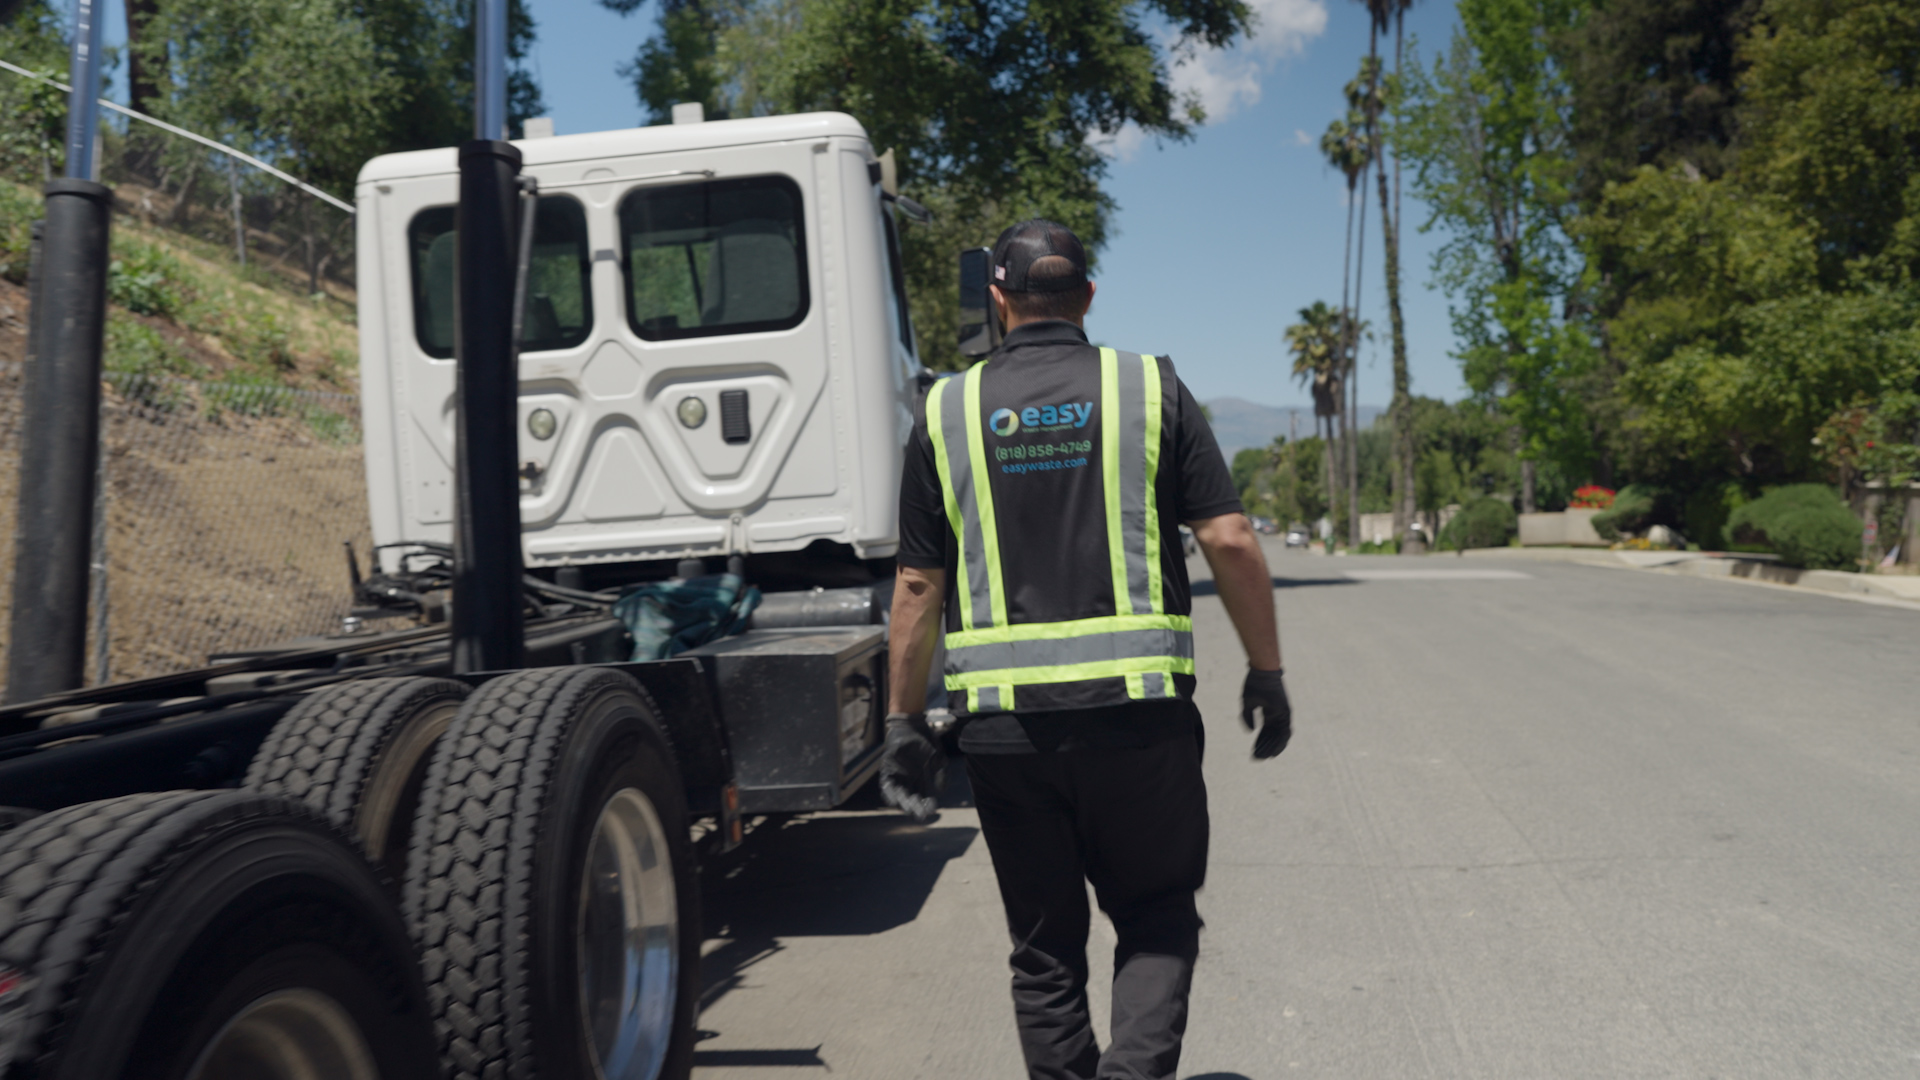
pixel 721 257
pixel 559 301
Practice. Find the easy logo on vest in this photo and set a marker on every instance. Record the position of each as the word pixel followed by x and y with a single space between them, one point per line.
pixel 1004 422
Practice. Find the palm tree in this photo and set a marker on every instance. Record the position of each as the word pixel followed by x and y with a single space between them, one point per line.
pixel 1345 145
pixel 1315 342
pixel 1382 15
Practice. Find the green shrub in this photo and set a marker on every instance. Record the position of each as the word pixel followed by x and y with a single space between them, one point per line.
pixel 147 280
pixel 1705 516
pixel 260 339
pixel 1632 511
pixel 19 209
pixel 1483 523
pixel 134 348
pixel 1807 525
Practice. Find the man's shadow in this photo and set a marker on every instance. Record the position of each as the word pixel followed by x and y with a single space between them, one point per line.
pixel 851 875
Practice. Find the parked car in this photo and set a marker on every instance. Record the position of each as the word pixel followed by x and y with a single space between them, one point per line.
pixel 1265 525
pixel 1188 542
pixel 1297 536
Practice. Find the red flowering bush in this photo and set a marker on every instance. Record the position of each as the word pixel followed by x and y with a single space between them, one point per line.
pixel 1592 497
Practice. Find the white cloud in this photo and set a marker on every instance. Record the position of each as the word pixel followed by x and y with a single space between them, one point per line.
pixel 1225 80
pixel 1301 137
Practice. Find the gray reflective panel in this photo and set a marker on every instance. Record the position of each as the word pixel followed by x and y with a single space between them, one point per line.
pixel 989 698
pixel 1086 649
pixel 1131 427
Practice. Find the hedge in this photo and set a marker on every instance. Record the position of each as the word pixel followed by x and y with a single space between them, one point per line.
pixel 1485 522
pixel 1807 525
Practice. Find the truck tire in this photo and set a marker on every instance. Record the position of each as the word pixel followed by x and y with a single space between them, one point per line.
pixel 552 887
pixel 202 936
pixel 357 752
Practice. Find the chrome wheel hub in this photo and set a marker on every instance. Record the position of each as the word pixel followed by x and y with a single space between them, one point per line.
pixel 288 1035
pixel 629 934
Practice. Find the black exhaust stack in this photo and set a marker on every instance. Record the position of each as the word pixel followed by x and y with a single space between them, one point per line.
pixel 488 622
pixel 60 456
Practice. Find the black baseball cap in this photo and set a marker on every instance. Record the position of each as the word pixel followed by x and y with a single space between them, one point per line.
pixel 1060 258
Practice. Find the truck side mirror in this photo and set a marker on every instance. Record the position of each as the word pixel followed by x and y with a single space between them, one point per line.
pixel 979 330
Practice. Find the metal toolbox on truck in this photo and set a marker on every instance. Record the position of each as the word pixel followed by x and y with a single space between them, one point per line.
pixel 803 711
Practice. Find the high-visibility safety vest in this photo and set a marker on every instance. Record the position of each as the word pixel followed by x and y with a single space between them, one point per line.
pixel 1096 658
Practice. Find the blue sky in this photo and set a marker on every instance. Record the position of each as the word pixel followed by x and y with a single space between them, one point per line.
pixel 1220 240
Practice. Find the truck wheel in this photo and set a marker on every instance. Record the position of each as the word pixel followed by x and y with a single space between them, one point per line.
pixel 552 887
pixel 357 752
pixel 207 935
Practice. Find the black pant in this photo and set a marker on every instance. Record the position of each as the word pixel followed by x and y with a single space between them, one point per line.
pixel 1134 823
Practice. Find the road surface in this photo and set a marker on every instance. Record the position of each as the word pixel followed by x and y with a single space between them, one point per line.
pixel 1538 820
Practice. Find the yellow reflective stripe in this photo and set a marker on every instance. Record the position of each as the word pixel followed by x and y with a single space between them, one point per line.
pixel 1060 673
pixel 1105 624
pixel 936 433
pixel 983 497
pixel 1136 686
pixel 1153 468
pixel 1110 477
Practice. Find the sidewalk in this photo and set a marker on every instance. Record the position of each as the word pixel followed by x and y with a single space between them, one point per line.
pixel 1899 590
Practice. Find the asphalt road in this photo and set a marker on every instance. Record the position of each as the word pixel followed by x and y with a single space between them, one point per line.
pixel 1538 820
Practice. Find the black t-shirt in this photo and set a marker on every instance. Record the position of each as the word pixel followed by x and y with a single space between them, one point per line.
pixel 1193 484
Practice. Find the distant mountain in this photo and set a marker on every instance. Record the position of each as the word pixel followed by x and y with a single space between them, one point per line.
pixel 1239 424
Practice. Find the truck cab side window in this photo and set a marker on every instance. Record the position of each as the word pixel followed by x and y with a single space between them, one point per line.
pixel 559 302
pixel 721 257
pixel 897 270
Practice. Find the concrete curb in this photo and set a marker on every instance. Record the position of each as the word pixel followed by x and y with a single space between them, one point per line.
pixel 1744 569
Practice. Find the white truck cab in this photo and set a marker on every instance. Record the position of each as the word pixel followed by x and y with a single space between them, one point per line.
pixel 716 357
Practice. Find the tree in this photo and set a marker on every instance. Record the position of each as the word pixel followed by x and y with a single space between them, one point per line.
pixel 1347 149
pixel 243 69
pixel 33 115
pixel 993 111
pixel 1487 131
pixel 1764 312
pixel 1380 98
pixel 1321 346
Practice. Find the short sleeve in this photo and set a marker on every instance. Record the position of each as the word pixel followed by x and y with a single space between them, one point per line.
pixel 924 531
pixel 1206 488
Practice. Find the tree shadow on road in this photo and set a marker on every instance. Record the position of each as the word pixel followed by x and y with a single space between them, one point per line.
pixel 840 875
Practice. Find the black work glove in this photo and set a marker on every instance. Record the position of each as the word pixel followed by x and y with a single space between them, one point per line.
pixel 912 767
pixel 1265 692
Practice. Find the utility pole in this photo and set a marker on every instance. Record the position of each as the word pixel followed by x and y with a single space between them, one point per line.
pixel 60 455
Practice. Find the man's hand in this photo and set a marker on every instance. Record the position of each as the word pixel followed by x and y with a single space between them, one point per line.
pixel 912 767
pixel 1264 691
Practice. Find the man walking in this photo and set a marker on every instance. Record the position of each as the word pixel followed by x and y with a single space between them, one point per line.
pixel 1039 511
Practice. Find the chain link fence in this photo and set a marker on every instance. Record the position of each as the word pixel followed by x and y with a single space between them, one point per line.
pixel 227 507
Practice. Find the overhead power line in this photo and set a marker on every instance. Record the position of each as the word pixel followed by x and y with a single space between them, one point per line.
pixel 184 133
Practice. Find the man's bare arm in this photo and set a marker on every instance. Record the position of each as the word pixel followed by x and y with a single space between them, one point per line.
pixel 917 599
pixel 1240 574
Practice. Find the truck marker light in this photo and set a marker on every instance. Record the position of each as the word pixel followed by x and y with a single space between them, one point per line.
pixel 541 424
pixel 692 412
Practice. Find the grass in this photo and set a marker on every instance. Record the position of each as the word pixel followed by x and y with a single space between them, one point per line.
pixel 241 323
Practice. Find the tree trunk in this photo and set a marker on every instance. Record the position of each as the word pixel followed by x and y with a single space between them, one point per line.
pixel 1327 462
pixel 183 202
pixel 146 77
pixel 1403 509
pixel 1527 504
pixel 1350 401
